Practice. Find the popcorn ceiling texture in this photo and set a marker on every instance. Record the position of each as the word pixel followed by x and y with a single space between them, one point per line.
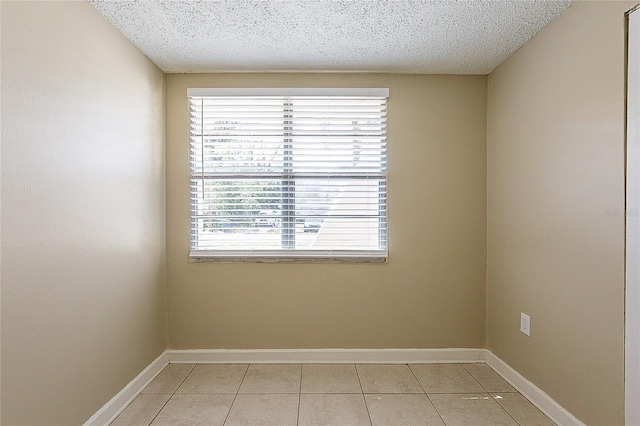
pixel 400 36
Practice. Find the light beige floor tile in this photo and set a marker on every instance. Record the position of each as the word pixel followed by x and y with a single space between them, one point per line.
pixel 489 379
pixel 522 410
pixel 333 409
pixel 264 410
pixel 169 379
pixel 194 410
pixel 272 378
pixel 445 378
pixel 387 379
pixel 470 410
pixel 330 378
pixel 214 379
pixel 402 409
pixel 142 410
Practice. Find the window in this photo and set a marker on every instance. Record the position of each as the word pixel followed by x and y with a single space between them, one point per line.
pixel 288 174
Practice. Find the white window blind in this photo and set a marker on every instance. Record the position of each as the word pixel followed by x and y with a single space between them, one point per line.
pixel 288 173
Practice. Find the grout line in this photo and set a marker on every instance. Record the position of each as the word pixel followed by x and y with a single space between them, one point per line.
pixel 236 395
pixel 358 376
pixel 173 393
pixel 462 393
pixel 366 406
pixel 425 392
pixel 185 379
pixel 260 393
pixel 491 396
pixel 198 393
pixel 505 410
pixel 489 393
pixel 435 408
pixel 416 377
pixel 161 408
pixel 474 378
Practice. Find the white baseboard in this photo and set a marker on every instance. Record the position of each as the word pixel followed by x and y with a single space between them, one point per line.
pixel 302 356
pixel 537 396
pixel 361 356
pixel 111 409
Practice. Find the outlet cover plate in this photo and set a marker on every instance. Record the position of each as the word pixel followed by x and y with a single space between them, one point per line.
pixel 525 323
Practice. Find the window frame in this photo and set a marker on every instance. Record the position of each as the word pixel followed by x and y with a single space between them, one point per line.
pixel 286 254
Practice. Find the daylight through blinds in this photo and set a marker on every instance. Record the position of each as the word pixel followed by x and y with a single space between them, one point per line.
pixel 288 175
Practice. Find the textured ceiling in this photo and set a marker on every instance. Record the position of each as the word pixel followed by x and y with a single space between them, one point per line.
pixel 403 36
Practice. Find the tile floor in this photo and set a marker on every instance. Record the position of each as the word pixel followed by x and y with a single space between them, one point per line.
pixel 330 394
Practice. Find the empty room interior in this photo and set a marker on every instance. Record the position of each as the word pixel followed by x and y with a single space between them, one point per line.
pixel 385 212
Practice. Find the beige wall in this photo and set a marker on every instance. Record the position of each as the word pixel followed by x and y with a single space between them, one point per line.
pixel 82 212
pixel 555 200
pixel 431 292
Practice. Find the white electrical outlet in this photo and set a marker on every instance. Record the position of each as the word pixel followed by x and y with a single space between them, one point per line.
pixel 525 323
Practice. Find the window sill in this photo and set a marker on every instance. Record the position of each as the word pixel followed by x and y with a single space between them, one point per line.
pixel 213 257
